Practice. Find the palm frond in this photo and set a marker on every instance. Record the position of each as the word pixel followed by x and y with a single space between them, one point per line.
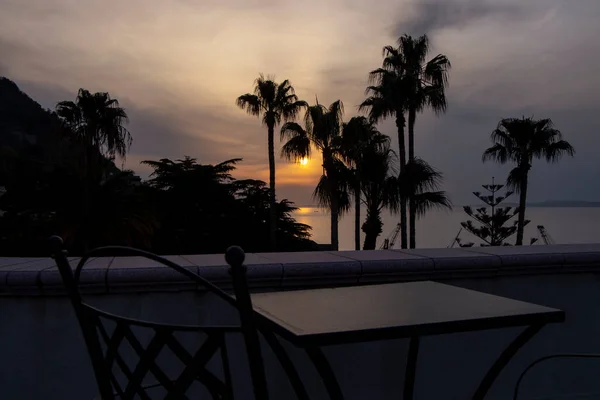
pixel 428 201
pixel 497 152
pixel 556 150
pixel 296 148
pixel 322 192
pixel 377 108
pixel 437 70
pixel 291 109
pixel 515 177
pixel 99 121
pixel 250 103
pixel 418 177
pixel 522 139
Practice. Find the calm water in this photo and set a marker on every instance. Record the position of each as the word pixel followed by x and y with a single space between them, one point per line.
pixel 438 228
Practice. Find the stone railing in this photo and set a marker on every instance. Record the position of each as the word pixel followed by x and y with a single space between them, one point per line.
pixel 39 276
pixel 42 354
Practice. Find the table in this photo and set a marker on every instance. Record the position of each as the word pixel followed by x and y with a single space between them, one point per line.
pixel 314 318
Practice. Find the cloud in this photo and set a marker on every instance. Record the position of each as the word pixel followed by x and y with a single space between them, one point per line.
pixel 429 16
pixel 178 66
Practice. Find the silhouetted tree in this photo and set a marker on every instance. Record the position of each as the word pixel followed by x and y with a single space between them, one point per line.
pixel 420 183
pixel 276 103
pixel 122 213
pixel 49 162
pixel 253 196
pixel 519 141
pixel 192 200
pixel 407 83
pixel 425 83
pixel 322 129
pixel 98 122
pixel 380 189
pixel 386 98
pixel 358 136
pixel 203 209
pixel 492 229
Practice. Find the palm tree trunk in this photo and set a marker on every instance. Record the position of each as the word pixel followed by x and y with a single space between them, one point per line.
pixel 272 210
pixel 413 224
pixel 370 240
pixel 400 122
pixel 334 223
pixel 522 204
pixel 372 228
pixel 357 216
pixel 412 118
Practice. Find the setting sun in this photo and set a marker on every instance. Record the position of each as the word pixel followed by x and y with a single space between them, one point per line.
pixel 303 161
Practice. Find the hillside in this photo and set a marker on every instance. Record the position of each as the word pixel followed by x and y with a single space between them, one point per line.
pixel 22 120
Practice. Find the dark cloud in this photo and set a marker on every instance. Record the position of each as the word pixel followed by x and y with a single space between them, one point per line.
pixel 519 58
pixel 430 16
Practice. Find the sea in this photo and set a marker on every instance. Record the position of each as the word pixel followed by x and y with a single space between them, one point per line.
pixel 439 228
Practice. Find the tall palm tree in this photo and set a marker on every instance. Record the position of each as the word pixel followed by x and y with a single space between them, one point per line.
pixel 519 141
pixel 322 129
pixel 380 188
pixel 97 122
pixel 419 182
pixel 386 98
pixel 425 83
pixel 275 102
pixel 358 135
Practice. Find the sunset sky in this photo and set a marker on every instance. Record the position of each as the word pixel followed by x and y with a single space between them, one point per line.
pixel 177 67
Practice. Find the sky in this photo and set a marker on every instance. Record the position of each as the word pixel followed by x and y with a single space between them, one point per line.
pixel 177 67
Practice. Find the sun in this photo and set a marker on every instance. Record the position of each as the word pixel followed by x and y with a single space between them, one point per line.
pixel 303 161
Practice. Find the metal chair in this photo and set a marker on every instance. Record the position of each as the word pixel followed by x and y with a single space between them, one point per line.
pixel 541 360
pixel 105 344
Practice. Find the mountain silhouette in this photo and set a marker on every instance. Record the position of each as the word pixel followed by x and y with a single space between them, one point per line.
pixel 23 121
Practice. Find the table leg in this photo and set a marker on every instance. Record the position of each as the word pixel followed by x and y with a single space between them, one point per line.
pixel 324 369
pixel 504 359
pixel 287 365
pixel 411 368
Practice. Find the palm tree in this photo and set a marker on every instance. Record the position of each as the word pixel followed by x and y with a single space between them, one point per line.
pixel 425 83
pixel 358 135
pixel 519 141
pixel 419 182
pixel 97 122
pixel 380 187
pixel 322 129
pixel 275 102
pixel 386 98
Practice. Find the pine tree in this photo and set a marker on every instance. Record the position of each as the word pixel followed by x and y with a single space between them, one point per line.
pixel 493 228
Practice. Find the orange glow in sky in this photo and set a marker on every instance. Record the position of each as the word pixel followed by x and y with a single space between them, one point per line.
pixel 303 161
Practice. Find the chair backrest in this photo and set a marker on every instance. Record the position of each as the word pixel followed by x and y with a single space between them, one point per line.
pixel 106 336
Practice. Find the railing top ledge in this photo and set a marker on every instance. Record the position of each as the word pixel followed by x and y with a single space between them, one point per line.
pixel 39 276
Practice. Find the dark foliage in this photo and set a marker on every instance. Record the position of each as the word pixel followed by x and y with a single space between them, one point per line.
pixel 493 228
pixel 57 179
pixel 205 210
pixel 519 141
